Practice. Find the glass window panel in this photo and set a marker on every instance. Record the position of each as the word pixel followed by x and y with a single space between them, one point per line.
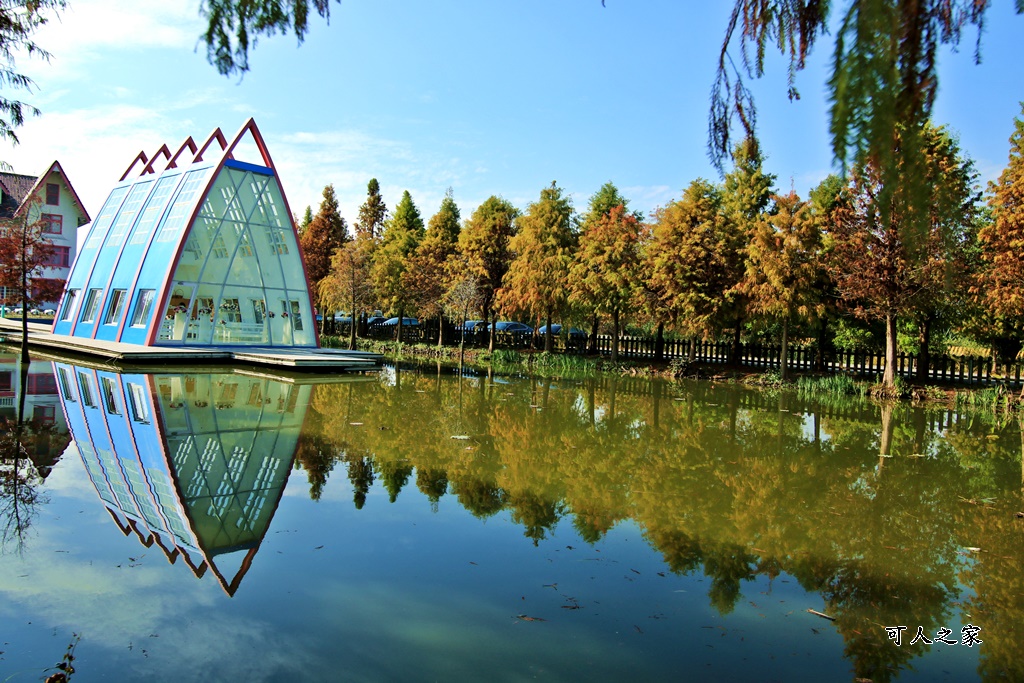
pixel 154 208
pixel 65 385
pixel 143 307
pixel 126 216
pixel 273 205
pixel 105 218
pixel 69 304
pixel 174 222
pixel 117 301
pixel 91 306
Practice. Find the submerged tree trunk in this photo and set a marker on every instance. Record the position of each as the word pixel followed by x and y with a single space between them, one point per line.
pixel 889 376
pixel 784 352
pixel 615 335
pixel 924 358
pixel 659 343
pixel 885 438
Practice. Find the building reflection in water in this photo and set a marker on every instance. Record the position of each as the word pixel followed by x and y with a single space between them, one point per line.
pixel 195 464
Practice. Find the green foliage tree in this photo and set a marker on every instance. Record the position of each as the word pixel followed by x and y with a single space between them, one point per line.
pixel 536 281
pixel 884 74
pixel 607 268
pixel 601 204
pixel 402 234
pixel 325 234
pixel 484 242
pixel 307 218
pixel 233 26
pixel 19 21
pixel 999 285
pixel 687 258
pixel 373 212
pixel 783 267
pixel 883 264
pixel 746 196
pixel 427 274
pixel 348 284
pixel 25 252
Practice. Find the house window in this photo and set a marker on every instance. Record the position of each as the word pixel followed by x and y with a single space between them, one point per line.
pixel 42 384
pixel 44 414
pixel 69 304
pixel 53 223
pixel 143 305
pixel 53 194
pixel 59 257
pixel 6 382
pixel 91 306
pixel 116 308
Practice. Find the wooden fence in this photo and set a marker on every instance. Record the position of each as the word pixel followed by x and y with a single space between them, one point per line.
pixel 861 363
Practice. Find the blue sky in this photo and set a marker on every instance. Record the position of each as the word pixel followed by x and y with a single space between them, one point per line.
pixel 485 97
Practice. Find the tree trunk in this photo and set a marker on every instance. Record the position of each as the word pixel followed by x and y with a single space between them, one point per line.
pixel 889 376
pixel 691 353
pixel 487 329
pixel 819 352
pixel 440 331
pixel 547 330
pixel 615 335
pixel 659 343
pixel 924 358
pixel 592 341
pixel 735 351
pixel 398 327
pixel 885 438
pixel 784 352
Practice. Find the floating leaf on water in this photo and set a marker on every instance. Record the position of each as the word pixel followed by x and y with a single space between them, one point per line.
pixel 460 437
pixel 356 424
pixel 523 617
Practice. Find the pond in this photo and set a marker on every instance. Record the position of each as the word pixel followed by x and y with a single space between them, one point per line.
pixel 414 526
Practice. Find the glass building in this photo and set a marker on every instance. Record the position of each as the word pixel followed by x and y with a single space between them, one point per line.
pixel 201 253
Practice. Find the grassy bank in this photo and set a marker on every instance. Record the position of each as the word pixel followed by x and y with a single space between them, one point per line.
pixel 807 386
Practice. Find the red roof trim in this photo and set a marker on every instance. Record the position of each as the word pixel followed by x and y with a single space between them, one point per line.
pixel 141 156
pixel 190 144
pixel 163 151
pixel 215 135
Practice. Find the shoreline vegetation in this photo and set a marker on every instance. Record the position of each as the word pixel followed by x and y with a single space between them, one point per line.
pixel 807 385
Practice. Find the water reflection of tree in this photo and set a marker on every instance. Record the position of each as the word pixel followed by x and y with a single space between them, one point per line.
pixel 735 483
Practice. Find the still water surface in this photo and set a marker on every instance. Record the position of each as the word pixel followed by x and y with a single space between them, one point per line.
pixel 412 526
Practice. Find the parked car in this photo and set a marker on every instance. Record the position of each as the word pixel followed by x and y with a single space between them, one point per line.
pixel 473 325
pixel 556 330
pixel 511 327
pixel 391 322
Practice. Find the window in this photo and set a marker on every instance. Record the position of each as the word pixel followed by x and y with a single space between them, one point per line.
pixel 53 223
pixel 116 308
pixel 296 316
pixel 230 311
pixel 140 409
pixel 42 384
pixel 44 414
pixel 85 387
pixel 220 250
pixel 53 194
pixel 110 396
pixel 65 385
pixel 143 305
pixel 277 243
pixel 69 304
pixel 59 257
pixel 6 382
pixel 91 306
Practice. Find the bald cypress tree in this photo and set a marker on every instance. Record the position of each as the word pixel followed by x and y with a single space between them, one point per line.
pixel 403 232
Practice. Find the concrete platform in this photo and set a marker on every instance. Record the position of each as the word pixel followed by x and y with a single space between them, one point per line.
pixel 164 358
